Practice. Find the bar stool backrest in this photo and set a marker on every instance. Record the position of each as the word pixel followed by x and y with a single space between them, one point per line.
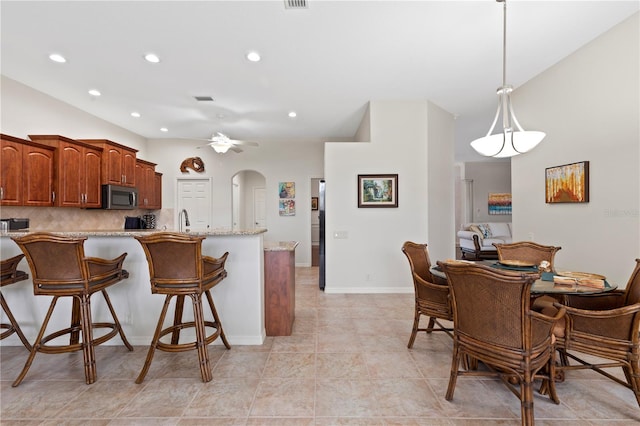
pixel 56 262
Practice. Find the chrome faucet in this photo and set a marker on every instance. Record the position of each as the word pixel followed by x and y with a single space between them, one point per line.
pixel 186 219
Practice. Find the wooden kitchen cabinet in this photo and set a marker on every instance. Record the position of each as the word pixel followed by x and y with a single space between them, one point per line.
pixel 145 180
pixel 78 176
pixel 118 162
pixel 157 192
pixel 27 172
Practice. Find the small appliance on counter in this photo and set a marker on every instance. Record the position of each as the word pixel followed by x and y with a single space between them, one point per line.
pixel 149 221
pixel 14 224
pixel 133 222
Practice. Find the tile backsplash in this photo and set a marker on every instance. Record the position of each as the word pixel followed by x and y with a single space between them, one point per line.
pixel 74 219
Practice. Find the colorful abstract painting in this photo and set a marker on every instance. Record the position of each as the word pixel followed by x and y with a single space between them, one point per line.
pixel 499 203
pixel 287 207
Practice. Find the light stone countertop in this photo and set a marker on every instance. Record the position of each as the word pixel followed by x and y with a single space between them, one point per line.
pixel 133 232
pixel 280 245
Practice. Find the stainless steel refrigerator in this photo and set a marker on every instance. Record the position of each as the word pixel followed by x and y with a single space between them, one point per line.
pixel 321 250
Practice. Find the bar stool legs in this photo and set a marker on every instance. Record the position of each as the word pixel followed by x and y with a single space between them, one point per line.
pixel 81 324
pixel 199 324
pixel 13 326
pixel 9 274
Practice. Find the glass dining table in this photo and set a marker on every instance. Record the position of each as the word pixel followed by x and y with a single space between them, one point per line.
pixel 544 285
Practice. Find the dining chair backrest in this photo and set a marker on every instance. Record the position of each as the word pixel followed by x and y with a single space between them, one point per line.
pixel 633 286
pixel 418 256
pixel 527 251
pixel 490 305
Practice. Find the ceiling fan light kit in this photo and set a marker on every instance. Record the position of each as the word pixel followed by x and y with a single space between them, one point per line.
pixel 220 149
pixel 511 141
pixel 221 143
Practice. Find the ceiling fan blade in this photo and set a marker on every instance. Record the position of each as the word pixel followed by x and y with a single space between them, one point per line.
pixel 235 149
pixel 202 146
pixel 246 143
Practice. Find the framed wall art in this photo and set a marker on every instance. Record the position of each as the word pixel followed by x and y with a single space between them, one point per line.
pixel 499 203
pixel 568 183
pixel 287 207
pixel 314 203
pixel 378 190
pixel 287 189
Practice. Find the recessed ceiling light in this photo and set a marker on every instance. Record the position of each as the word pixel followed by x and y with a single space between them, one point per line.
pixel 135 114
pixel 152 57
pixel 293 114
pixel 253 56
pixel 94 92
pixel 164 129
pixel 56 57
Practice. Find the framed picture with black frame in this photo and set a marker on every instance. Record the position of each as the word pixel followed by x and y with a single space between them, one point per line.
pixel 378 190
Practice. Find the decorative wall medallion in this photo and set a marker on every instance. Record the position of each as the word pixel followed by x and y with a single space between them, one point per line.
pixel 194 163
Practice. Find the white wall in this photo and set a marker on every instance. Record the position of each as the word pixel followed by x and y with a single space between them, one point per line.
pixel 28 112
pixel 369 259
pixel 588 104
pixel 488 177
pixel 441 183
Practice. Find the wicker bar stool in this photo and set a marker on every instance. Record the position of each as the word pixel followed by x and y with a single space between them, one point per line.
pixel 10 274
pixel 59 268
pixel 177 268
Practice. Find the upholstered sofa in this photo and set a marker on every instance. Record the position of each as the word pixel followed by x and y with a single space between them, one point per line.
pixel 476 239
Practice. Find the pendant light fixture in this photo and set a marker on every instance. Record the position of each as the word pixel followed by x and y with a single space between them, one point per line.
pixel 510 141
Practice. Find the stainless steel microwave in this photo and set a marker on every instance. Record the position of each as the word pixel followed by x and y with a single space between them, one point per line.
pixel 119 197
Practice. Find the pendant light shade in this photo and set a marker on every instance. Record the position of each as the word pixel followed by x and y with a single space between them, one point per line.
pixel 511 141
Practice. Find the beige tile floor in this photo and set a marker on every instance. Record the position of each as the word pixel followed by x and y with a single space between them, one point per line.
pixel 345 364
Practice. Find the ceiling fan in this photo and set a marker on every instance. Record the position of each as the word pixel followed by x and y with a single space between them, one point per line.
pixel 221 143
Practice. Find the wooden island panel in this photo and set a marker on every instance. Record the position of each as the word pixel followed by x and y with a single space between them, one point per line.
pixel 279 283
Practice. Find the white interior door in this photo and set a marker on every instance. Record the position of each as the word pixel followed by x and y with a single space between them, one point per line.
pixel 194 195
pixel 259 209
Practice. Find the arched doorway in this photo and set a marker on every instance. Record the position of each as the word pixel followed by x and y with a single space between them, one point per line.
pixel 248 200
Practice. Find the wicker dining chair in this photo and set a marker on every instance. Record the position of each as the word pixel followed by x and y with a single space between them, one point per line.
pixel 494 324
pixel 59 268
pixel 177 268
pixel 606 326
pixel 10 274
pixel 527 251
pixel 431 294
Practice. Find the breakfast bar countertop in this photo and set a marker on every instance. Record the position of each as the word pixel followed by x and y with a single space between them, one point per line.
pixel 133 232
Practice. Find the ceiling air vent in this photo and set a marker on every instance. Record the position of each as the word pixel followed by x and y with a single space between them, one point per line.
pixel 204 98
pixel 295 4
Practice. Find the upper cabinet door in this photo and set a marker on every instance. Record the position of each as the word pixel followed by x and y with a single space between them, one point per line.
pixel 129 167
pixel 112 166
pixel 38 167
pixel 92 189
pixel 70 179
pixel 11 173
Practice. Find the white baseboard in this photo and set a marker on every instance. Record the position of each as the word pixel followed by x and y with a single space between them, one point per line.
pixel 368 290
